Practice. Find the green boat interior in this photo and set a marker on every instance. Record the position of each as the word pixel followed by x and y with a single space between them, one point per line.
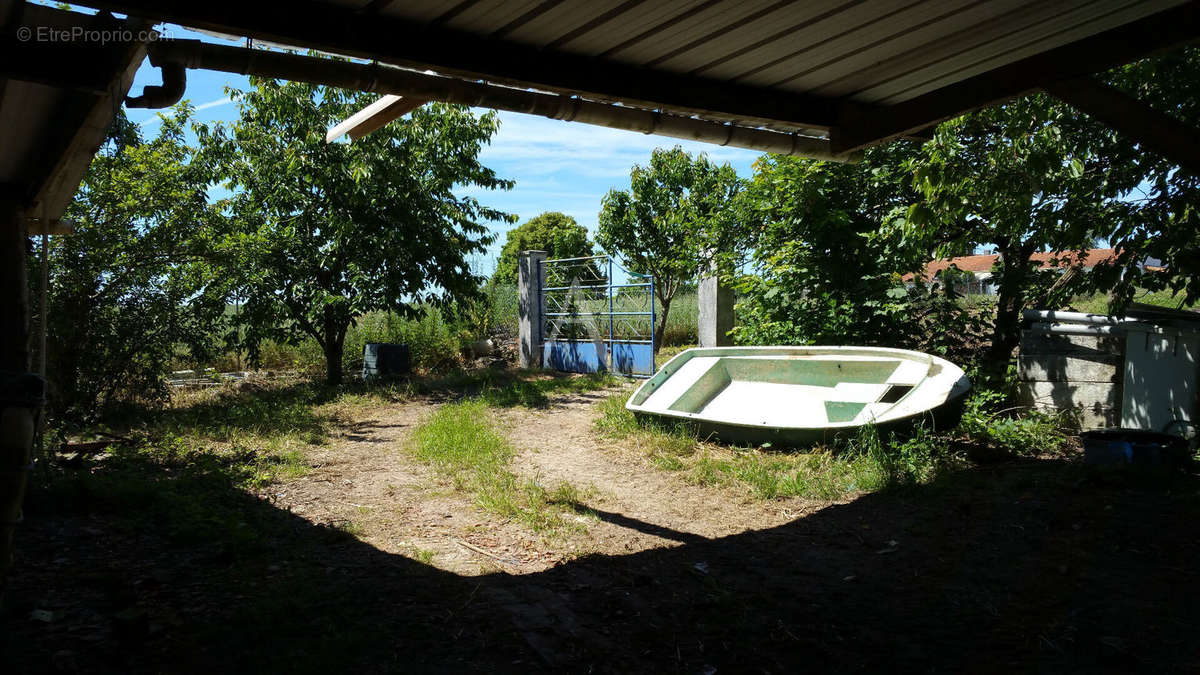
pixel 784 390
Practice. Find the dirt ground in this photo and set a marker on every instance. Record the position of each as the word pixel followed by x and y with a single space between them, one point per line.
pixel 1023 566
pixel 400 506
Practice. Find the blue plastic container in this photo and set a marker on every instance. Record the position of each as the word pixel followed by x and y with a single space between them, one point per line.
pixel 1135 447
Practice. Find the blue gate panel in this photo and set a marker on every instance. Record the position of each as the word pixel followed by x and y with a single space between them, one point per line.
pixel 636 358
pixel 572 357
pixel 580 357
pixel 590 324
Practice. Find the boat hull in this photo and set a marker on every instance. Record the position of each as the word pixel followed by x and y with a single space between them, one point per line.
pixel 801 395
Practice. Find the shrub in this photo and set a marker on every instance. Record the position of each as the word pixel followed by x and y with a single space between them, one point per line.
pixel 988 418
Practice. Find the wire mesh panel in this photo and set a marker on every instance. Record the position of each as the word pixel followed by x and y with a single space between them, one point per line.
pixel 596 316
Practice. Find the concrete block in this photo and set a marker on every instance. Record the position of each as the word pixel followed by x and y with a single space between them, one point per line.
pixel 1032 343
pixel 1069 368
pixel 1097 404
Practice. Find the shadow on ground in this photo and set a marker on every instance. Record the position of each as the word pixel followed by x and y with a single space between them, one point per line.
pixel 1023 566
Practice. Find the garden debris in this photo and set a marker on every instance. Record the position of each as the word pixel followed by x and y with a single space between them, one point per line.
pixel 472 547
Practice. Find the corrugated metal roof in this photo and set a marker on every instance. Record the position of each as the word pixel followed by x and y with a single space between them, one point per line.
pixel 864 70
pixel 866 50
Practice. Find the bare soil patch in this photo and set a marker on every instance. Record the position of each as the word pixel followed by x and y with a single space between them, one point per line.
pixel 365 483
pixel 639 508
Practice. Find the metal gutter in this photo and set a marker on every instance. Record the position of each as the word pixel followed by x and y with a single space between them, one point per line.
pixel 374 77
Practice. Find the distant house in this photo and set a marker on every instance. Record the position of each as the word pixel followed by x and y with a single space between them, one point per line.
pixel 978 268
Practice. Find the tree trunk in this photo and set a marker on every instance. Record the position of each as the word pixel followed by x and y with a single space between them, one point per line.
pixel 334 346
pixel 662 323
pixel 1010 300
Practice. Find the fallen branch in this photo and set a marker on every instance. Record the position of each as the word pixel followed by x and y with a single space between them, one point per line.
pixel 472 547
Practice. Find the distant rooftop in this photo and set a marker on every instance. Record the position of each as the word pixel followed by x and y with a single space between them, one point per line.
pixel 985 263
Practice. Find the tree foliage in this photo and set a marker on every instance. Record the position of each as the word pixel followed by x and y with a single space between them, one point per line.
pixel 820 272
pixel 553 232
pixel 1165 224
pixel 1024 177
pixel 679 212
pixel 124 290
pixel 317 234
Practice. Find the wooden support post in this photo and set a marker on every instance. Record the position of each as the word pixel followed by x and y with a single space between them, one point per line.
pixel 529 308
pixel 1151 129
pixel 21 393
pixel 860 126
pixel 14 288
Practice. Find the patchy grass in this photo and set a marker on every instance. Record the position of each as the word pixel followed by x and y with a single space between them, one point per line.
pixel 770 475
pixel 1098 303
pixel 503 388
pixel 213 440
pixel 863 463
pixel 668 352
pixel 177 488
pixel 664 443
pixel 423 555
pixel 460 442
pixel 179 463
pixel 534 392
pixel 294 410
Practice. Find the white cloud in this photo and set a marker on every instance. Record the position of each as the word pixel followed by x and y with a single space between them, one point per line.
pixel 570 166
pixel 537 146
pixel 213 104
pixel 155 119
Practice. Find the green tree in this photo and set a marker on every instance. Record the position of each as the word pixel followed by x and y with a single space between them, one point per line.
pixel 317 234
pixel 125 288
pixel 820 271
pixel 678 215
pixel 1024 177
pixel 555 233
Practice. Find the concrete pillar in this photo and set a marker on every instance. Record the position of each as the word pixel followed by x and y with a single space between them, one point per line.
pixel 529 307
pixel 716 311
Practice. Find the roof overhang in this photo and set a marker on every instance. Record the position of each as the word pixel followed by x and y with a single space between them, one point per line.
pixel 57 98
pixel 855 71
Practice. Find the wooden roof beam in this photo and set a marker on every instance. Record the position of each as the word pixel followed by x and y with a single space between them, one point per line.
pixel 1150 128
pixel 385 109
pixel 859 127
pixel 83 113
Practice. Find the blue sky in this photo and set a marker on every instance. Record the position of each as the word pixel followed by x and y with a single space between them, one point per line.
pixel 557 166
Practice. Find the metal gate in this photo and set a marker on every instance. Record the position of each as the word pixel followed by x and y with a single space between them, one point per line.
pixel 590 323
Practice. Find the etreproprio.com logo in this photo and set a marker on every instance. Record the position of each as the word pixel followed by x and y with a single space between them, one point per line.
pixel 84 34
